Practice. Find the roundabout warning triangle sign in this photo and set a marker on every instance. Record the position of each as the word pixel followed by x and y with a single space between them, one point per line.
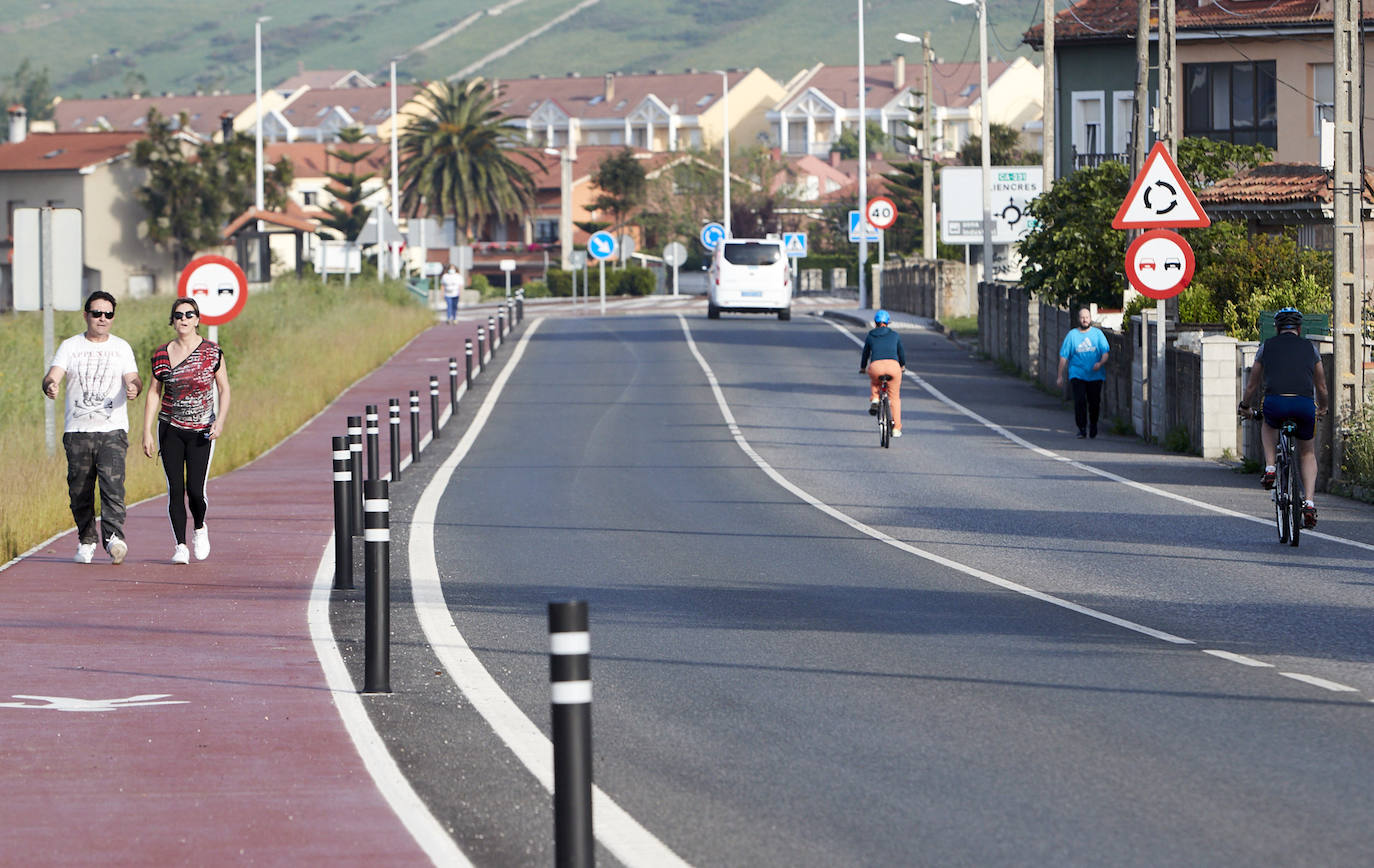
pixel 1160 198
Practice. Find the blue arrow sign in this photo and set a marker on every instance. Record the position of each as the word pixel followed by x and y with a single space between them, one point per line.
pixel 601 245
pixel 711 235
pixel 794 243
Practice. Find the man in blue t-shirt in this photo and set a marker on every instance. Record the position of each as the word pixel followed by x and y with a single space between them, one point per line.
pixel 1084 354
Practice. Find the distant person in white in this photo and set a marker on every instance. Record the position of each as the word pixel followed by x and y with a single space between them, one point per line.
pixel 452 284
pixel 102 378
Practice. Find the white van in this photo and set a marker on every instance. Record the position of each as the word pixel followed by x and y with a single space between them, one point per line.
pixel 750 275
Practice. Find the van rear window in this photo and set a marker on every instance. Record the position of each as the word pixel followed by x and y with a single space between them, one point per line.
pixel 752 253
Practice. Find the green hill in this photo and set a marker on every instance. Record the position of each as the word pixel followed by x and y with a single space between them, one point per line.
pixel 91 48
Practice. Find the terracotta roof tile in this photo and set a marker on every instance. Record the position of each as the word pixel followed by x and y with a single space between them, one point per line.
pixel 312 160
pixel 49 152
pixel 1277 184
pixel 368 106
pixel 1116 19
pixel 79 115
pixel 584 97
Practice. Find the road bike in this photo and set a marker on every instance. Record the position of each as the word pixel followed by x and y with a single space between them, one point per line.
pixel 1287 483
pixel 885 420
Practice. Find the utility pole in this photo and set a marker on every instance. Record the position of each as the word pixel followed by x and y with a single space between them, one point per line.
pixel 1047 127
pixel 1347 289
pixel 1140 119
pixel 928 157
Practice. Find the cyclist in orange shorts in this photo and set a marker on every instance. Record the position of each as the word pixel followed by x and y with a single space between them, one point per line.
pixel 883 354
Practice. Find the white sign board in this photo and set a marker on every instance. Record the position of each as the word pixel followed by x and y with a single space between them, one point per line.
pixel 67 256
pixel 335 257
pixel 507 264
pixel 794 243
pixel 857 225
pixel 961 203
pixel 675 253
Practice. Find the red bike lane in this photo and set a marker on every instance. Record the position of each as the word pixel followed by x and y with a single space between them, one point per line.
pixel 152 713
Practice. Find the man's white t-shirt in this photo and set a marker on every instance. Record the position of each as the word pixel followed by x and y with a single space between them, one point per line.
pixel 95 382
pixel 452 283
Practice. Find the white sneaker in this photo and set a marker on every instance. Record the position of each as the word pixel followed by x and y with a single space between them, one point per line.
pixel 897 432
pixel 117 549
pixel 84 553
pixel 200 542
pixel 181 555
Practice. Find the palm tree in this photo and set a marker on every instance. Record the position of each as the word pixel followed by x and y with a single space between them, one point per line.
pixel 457 160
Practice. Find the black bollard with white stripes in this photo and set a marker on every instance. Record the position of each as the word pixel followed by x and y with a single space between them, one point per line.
pixel 570 674
pixel 503 326
pixel 355 486
pixel 374 454
pixel 452 385
pixel 434 407
pixel 481 349
pixel 395 407
pixel 377 588
pixel 414 426
pixel 493 338
pixel 520 306
pixel 467 356
pixel 343 539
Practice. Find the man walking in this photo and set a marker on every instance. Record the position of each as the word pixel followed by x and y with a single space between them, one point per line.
pixel 102 378
pixel 1084 354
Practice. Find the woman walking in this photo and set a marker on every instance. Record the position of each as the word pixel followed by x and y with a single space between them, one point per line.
pixel 187 371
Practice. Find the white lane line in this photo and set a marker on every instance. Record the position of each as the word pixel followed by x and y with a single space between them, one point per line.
pixel 892 541
pixel 1238 658
pixel 1088 468
pixel 630 842
pixel 1320 682
pixel 409 808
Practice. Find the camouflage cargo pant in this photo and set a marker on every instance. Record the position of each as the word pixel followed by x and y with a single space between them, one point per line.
pixel 93 457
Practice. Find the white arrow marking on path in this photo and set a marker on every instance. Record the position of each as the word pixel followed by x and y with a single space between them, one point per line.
pixel 68 703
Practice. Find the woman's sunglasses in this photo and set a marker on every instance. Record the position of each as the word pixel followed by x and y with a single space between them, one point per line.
pixel 183 314
pixel 107 314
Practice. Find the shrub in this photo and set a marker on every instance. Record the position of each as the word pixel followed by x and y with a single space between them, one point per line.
pixel 1358 455
pixel 535 289
pixel 631 280
pixel 559 282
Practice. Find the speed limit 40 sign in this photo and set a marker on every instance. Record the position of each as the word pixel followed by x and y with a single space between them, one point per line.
pixel 881 212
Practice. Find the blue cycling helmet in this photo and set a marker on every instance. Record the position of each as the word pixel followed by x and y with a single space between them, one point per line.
pixel 1288 318
pixel 882 317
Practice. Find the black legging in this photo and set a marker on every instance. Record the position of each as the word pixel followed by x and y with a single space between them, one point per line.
pixel 186 461
pixel 1087 403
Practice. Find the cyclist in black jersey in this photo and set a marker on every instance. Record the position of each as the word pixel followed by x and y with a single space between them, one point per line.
pixel 1289 370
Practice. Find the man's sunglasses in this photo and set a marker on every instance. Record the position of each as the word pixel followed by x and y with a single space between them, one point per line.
pixel 107 314
pixel 185 314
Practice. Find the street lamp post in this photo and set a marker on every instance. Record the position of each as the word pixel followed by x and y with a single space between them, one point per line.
pixel 566 155
pixel 982 7
pixel 725 147
pixel 257 106
pixel 927 151
pixel 863 169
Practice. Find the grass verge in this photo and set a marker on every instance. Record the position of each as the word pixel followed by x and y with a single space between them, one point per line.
pixel 289 353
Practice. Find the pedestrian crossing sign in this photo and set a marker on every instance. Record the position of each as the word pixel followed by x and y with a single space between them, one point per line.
pixel 794 243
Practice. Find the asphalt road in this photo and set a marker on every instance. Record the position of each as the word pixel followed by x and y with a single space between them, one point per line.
pixel 959 651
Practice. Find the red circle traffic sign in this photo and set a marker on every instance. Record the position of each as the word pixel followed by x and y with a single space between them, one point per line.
pixel 218 286
pixel 1160 263
pixel 881 212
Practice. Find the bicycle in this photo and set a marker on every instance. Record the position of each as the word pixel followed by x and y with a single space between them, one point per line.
pixel 1287 491
pixel 885 420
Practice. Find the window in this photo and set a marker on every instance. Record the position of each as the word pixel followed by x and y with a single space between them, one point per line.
pixel 1324 93
pixel 1231 102
pixel 546 232
pixel 752 252
pixel 1086 117
pixel 1123 117
pixel 310 198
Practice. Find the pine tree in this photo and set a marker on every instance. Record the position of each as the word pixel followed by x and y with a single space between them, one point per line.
pixel 346 213
pixel 904 186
